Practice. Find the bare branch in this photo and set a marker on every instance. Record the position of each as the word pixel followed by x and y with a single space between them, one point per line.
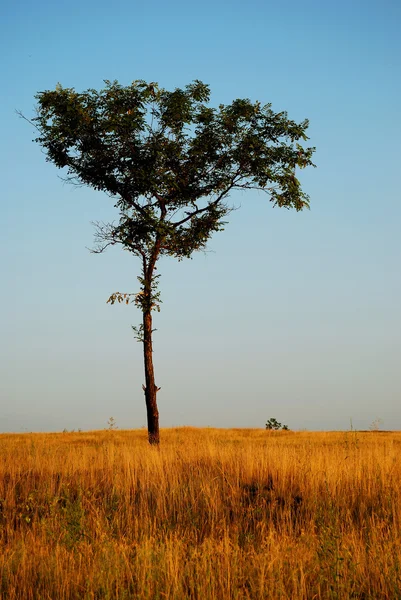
pixel 22 116
pixel 71 180
pixel 105 236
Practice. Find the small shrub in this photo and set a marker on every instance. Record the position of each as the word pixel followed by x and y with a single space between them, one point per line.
pixel 112 425
pixel 274 425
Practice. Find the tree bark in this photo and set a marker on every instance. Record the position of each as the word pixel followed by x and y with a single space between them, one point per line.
pixel 150 387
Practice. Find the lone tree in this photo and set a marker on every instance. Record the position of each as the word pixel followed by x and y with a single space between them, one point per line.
pixel 169 162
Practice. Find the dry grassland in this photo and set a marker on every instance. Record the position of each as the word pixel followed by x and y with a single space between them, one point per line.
pixel 213 514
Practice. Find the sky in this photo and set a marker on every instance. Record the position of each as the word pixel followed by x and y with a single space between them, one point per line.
pixel 289 315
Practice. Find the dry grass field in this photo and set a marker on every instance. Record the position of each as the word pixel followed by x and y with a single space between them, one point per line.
pixel 222 514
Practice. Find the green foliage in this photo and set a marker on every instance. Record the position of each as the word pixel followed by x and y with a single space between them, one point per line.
pixel 169 160
pixel 273 424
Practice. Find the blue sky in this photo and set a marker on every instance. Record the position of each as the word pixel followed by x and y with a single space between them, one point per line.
pixel 292 316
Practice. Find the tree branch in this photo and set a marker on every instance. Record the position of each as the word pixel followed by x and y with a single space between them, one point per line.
pixel 205 208
pixel 22 116
pixel 124 197
pixel 105 236
pixel 162 203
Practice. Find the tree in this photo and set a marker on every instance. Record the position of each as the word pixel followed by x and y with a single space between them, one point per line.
pixel 169 162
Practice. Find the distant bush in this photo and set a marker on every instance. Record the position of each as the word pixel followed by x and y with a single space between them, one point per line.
pixel 273 424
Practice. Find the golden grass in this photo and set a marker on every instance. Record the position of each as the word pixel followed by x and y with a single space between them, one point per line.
pixel 213 514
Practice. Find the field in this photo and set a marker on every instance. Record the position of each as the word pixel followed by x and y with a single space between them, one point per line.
pixel 222 514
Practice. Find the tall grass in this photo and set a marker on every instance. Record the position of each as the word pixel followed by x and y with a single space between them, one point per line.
pixel 222 514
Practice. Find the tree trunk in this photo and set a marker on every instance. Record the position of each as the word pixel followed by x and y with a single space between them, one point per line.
pixel 150 388
pixel 148 302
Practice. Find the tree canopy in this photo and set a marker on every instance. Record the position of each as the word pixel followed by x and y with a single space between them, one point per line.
pixel 161 154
